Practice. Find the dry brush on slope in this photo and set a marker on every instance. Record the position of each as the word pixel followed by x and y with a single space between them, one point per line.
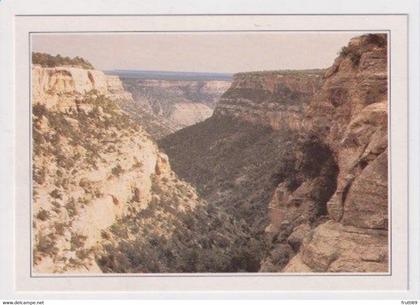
pixel 288 175
pixel 105 198
pixel 320 138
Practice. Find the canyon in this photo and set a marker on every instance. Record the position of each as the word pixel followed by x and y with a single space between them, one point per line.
pixel 104 196
pixel 272 171
pixel 171 101
pixel 301 156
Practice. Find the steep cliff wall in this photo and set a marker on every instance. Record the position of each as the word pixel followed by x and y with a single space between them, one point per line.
pixel 349 114
pixel 86 165
pixel 104 197
pixel 48 84
pixel 345 122
pixel 276 99
pixel 288 175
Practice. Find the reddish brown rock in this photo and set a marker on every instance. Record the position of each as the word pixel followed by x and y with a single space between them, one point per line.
pixel 337 248
pixel 349 114
pixel 273 98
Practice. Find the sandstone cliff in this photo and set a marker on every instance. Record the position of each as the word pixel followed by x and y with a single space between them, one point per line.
pixel 289 174
pixel 87 166
pixel 349 114
pixel 104 197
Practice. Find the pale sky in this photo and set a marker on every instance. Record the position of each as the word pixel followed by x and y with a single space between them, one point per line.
pixel 199 52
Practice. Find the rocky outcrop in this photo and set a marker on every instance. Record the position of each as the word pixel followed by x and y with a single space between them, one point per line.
pixel 237 158
pixel 86 165
pixel 273 98
pixel 349 115
pixel 301 155
pixel 104 196
pixel 115 89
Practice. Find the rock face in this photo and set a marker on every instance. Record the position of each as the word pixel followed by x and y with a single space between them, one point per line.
pixel 104 197
pixel 72 81
pixel 85 165
pixel 303 156
pixel 289 174
pixel 349 114
pixel 175 103
pixel 274 99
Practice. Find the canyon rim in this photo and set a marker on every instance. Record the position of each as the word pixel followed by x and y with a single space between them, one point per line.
pixel 202 166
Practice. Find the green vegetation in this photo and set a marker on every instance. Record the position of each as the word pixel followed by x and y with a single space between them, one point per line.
pixel 71 208
pixel 43 215
pixel 56 194
pixel 246 163
pixel 354 52
pixel 377 39
pixel 59 228
pixel 97 123
pixel 45 245
pixel 77 241
pixel 47 60
pixel 171 236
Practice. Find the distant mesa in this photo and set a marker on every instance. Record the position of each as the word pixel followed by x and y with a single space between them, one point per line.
pixel 170 75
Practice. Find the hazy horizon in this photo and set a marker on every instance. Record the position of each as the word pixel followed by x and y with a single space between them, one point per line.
pixel 199 52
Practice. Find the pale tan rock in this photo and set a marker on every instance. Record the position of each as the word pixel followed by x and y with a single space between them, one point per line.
pixel 186 114
pixel 296 265
pixel 86 182
pixel 273 98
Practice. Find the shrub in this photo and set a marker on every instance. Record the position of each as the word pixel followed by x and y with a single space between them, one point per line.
pixel 56 194
pixel 83 253
pixel 344 51
pixel 71 208
pixel 59 228
pixel 117 170
pixel 46 244
pixel 43 215
pixel 377 39
pixel 39 110
pixel 47 60
pixel 355 58
pixel 105 235
pixel 351 52
pixel 39 175
pixel 118 230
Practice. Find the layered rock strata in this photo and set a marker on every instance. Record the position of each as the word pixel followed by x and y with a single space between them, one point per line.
pixel 104 197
